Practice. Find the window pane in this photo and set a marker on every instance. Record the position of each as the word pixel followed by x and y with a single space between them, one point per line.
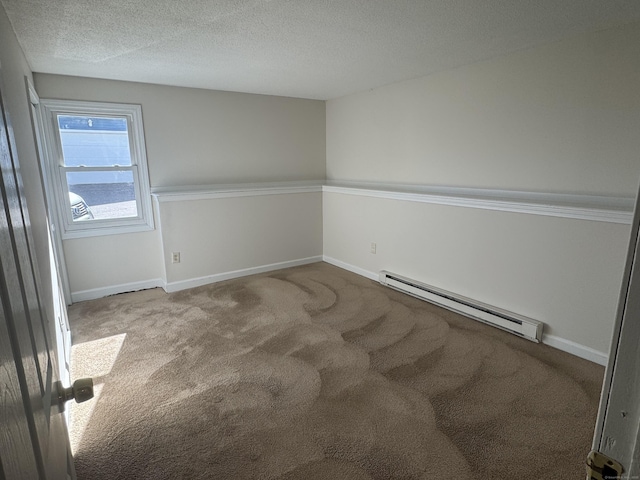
pixel 102 195
pixel 98 164
pixel 94 141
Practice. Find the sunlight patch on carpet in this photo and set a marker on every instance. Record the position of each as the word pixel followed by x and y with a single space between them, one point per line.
pixel 94 359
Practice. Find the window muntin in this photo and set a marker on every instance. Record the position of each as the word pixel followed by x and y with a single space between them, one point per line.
pixel 98 163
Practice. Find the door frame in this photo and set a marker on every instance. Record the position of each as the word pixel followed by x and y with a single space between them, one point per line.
pixel 617 430
pixel 40 141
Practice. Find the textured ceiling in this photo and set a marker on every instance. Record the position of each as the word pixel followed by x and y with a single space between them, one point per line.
pixel 300 48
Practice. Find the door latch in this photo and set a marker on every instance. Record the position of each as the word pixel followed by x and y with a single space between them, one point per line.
pixel 601 467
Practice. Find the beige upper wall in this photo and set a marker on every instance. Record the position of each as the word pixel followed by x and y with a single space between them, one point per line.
pixel 564 117
pixel 200 137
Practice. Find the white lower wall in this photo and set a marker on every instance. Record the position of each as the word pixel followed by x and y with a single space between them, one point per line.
pixel 223 237
pixel 563 272
pixel 110 264
pixel 218 235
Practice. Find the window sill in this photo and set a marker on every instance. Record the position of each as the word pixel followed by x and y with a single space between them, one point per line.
pixel 98 231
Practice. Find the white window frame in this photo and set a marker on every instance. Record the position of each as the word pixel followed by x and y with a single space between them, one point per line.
pixel 57 171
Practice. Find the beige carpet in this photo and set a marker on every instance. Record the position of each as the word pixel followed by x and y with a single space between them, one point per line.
pixel 317 373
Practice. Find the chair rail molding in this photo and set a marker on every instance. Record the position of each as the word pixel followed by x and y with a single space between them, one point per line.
pixel 599 208
pixel 208 192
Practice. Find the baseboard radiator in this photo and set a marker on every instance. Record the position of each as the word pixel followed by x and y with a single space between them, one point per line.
pixel 512 322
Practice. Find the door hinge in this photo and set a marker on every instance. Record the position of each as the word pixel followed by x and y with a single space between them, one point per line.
pixel 601 467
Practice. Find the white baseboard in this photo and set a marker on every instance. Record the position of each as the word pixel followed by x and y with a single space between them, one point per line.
pixel 563 344
pixel 352 268
pixel 219 277
pixel 94 293
pixel 576 349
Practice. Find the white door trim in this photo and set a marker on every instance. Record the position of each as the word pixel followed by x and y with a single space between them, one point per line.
pixel 36 122
pixel 617 432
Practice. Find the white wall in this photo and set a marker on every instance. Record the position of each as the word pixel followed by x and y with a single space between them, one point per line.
pixel 221 235
pixel 563 272
pixel 196 137
pixel 561 118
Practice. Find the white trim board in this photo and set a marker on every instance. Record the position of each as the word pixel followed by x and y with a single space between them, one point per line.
pixel 352 268
pixel 207 192
pixel 94 293
pixel 597 208
pixel 559 343
pixel 576 349
pixel 219 277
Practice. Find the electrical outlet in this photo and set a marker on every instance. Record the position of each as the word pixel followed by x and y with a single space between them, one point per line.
pixel 175 257
pixel 373 247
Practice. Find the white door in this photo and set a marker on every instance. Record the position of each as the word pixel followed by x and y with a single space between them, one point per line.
pixel 33 438
pixel 617 432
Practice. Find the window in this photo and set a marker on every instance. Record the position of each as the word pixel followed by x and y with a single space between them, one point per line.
pixel 98 167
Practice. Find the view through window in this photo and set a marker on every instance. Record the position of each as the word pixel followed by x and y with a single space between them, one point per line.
pixel 97 167
pixel 101 143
